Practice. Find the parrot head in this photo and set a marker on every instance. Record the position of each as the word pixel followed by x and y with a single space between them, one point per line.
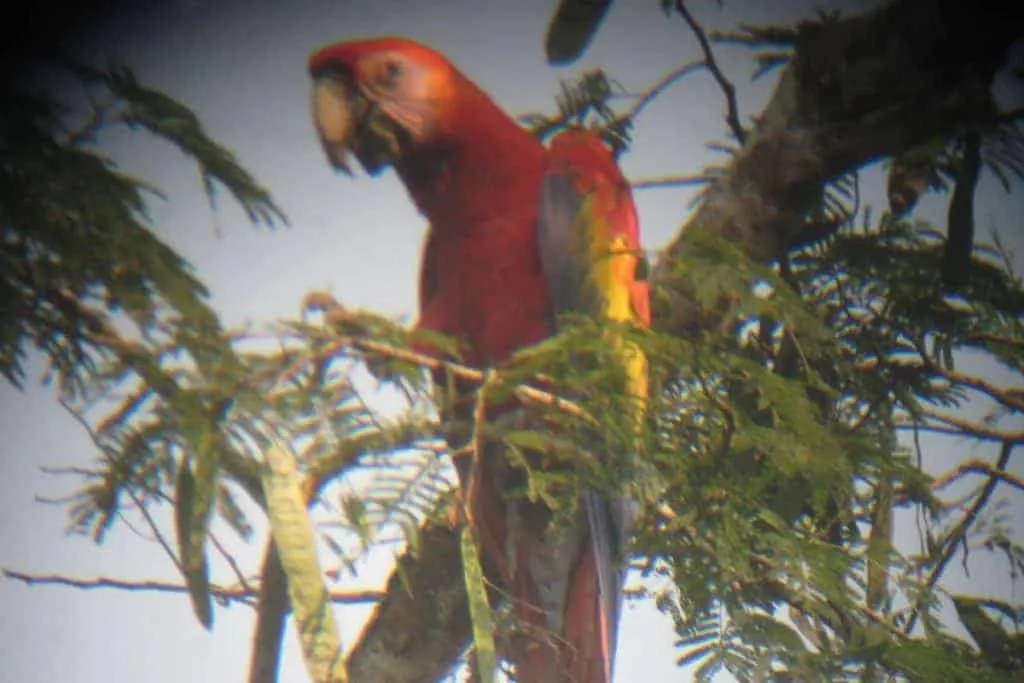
pixel 379 99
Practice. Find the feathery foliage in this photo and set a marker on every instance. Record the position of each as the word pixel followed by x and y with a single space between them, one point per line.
pixel 76 240
pixel 779 447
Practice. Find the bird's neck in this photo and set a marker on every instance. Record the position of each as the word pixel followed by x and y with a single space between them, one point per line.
pixel 484 163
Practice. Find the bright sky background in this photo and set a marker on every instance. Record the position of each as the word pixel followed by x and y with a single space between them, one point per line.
pixel 242 67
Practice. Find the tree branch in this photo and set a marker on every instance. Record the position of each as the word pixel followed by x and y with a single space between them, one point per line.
pixel 272 609
pixel 670 181
pixel 1002 396
pixel 940 423
pixel 524 392
pixel 732 115
pixel 953 540
pixel 245 596
pixel 978 467
pixel 663 84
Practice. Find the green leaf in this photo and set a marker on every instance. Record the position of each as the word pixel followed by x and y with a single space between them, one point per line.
pixel 922 661
pixel 232 513
pixel 292 530
pixel 766 630
pixel 479 609
pixel 165 117
pixel 999 648
pixel 192 544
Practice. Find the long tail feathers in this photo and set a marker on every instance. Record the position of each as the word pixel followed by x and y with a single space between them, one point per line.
pixel 566 584
pixel 608 523
pixel 602 535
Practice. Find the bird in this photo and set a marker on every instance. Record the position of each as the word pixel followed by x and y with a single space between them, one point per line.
pixel 520 234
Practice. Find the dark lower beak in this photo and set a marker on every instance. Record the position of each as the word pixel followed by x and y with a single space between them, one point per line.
pixel 350 125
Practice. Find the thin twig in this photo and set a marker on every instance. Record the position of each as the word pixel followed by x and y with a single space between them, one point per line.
pixel 732 116
pixel 78 471
pixel 232 562
pixel 144 510
pixel 139 503
pixel 1006 397
pixel 663 84
pixel 982 337
pixel 997 394
pixel 523 392
pixel 333 310
pixel 959 533
pixel 669 181
pixel 164 543
pixel 947 424
pixel 977 467
pixel 237 594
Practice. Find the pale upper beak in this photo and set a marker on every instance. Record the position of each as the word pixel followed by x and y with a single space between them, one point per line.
pixel 335 117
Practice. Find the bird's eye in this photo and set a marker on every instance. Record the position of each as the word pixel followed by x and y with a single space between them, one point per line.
pixel 392 71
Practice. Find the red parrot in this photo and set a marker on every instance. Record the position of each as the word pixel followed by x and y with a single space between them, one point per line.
pixel 518 234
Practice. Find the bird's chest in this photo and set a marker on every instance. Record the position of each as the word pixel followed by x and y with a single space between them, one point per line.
pixel 485 286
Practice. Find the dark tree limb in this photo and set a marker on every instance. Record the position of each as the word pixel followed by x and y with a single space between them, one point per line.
pixel 423 626
pixel 666 82
pixel 979 467
pixel 732 114
pixel 271 615
pixel 857 90
pixel 956 256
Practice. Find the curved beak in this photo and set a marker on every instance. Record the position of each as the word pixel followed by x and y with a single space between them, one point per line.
pixel 335 115
pixel 349 122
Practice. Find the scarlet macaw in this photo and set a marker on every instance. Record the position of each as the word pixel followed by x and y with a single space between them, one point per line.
pixel 518 234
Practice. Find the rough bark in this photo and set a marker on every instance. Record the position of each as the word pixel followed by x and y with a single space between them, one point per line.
pixel 857 90
pixel 423 626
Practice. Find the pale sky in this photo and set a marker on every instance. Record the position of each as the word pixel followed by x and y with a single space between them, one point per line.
pixel 242 67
